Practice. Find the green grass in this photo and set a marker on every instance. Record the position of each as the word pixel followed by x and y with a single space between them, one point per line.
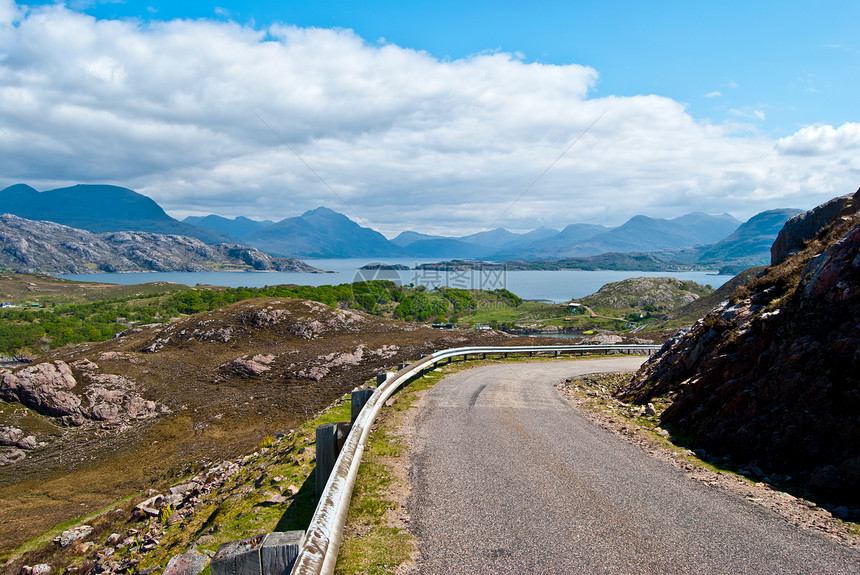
pixel 241 510
pixel 380 547
pixel 46 538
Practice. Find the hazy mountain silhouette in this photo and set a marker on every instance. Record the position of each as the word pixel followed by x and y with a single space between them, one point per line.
pixel 100 208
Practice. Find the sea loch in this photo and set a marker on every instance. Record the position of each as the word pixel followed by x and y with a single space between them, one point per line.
pixel 556 286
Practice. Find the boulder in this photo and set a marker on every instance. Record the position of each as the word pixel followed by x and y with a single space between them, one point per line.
pixel 69 536
pixel 190 563
pixel 10 435
pixel 43 387
pixel 28 442
pixel 11 455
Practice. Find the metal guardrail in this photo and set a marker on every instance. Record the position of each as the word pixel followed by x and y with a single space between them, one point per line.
pixel 323 537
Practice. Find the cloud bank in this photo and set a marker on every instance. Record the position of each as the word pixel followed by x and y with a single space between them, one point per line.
pixel 214 117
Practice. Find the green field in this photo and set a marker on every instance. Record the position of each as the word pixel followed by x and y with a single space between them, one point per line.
pixel 50 312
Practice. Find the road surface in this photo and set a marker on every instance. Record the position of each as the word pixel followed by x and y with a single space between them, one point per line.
pixel 509 478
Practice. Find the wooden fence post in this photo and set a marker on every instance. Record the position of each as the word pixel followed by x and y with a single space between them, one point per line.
pixel 330 439
pixel 267 554
pixel 359 398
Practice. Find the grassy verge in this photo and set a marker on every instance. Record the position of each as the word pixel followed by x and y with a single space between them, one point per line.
pixel 374 542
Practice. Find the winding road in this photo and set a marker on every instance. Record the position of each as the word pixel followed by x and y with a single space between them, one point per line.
pixel 509 478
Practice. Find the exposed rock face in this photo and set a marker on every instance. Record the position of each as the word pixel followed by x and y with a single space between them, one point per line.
pixel 43 387
pixel 45 247
pixel 51 389
pixel 771 377
pixel 803 227
pixel 256 365
pixel 14 437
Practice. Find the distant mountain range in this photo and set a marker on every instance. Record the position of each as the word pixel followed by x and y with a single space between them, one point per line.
pixel 237 227
pixel 321 233
pixel 97 208
pixel 691 239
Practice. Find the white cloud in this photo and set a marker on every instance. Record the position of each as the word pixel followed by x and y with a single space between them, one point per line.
pixel 714 94
pixel 9 13
pixel 821 140
pixel 748 113
pixel 174 111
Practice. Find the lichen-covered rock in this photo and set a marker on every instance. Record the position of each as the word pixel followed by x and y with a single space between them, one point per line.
pixel 10 435
pixel 803 227
pixel 24 442
pixel 48 388
pixel 69 536
pixel 43 387
pixel 190 563
pixel 257 365
pixel 11 455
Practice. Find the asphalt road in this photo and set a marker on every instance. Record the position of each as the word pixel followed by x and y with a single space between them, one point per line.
pixel 509 478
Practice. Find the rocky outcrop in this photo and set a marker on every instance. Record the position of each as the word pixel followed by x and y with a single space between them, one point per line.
pixel 649 293
pixel 805 226
pixel 14 437
pixel 45 247
pixel 51 389
pixel 769 378
pixel 256 365
pixel 43 387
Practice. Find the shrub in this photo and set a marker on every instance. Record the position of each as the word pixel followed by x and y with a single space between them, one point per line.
pixel 165 514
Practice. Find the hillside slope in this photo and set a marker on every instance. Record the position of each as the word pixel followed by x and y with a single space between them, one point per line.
pixel 28 246
pixel 750 244
pixel 770 378
pixel 109 418
pixel 236 227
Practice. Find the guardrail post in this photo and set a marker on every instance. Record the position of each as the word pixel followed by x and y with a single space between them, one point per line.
pixel 267 554
pixel 330 439
pixel 359 397
pixel 383 377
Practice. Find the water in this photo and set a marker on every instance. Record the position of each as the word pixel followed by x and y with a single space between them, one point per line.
pixel 555 286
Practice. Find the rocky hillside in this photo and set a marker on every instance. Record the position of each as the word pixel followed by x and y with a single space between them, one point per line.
pixel 769 379
pixel 662 294
pixel 699 308
pixel 88 424
pixel 29 246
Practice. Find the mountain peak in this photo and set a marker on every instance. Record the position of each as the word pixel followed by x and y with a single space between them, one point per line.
pixel 19 189
pixel 321 211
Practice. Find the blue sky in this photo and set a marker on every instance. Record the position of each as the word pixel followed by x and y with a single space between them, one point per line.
pixel 792 62
pixel 437 116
